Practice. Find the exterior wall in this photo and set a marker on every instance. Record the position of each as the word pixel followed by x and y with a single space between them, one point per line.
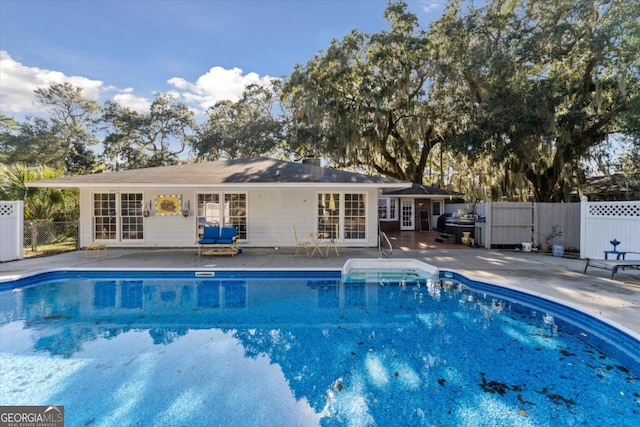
pixel 271 215
pixel 602 222
pixel 388 226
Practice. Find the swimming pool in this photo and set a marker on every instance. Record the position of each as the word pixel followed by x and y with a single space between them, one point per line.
pixel 308 348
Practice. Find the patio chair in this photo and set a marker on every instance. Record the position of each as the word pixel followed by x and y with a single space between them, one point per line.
pixel 226 244
pixel 300 243
pixel 217 241
pixel 613 265
pixel 228 236
pixel 210 236
pixel 333 242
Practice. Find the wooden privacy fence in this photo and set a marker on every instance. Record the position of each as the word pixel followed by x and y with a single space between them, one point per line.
pixel 509 224
pixel 602 222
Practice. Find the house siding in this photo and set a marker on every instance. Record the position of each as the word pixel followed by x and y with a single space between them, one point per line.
pixel 271 214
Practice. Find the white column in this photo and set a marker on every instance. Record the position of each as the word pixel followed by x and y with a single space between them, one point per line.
pixel 584 207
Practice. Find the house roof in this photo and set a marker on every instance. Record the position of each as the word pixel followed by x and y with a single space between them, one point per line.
pixel 236 173
pixel 419 190
pixel 610 187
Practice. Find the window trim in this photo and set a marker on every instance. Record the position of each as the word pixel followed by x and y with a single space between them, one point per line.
pixel 389 217
pixel 117 214
pixel 341 214
pixel 139 216
pixel 440 207
pixel 223 217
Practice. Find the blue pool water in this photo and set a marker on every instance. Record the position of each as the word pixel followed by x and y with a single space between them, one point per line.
pixel 306 348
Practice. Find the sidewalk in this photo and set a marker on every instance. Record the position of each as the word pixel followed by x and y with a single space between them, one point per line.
pixel 560 278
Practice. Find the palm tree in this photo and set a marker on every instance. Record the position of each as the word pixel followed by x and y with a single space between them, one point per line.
pixel 39 203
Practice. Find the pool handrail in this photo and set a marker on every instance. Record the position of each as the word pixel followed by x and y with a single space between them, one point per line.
pixel 382 238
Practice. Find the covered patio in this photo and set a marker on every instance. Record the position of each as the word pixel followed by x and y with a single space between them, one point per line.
pixel 414 240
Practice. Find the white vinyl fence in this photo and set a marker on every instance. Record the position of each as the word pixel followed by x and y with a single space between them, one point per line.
pixel 602 222
pixel 509 224
pixel 11 223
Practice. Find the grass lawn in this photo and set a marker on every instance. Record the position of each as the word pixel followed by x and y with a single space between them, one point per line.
pixel 50 249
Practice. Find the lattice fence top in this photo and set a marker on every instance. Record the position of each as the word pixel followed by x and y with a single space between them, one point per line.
pixel 615 209
pixel 7 209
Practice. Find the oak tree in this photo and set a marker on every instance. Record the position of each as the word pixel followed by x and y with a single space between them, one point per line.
pixel 249 127
pixel 543 83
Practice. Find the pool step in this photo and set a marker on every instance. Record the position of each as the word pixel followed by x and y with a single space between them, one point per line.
pixel 374 267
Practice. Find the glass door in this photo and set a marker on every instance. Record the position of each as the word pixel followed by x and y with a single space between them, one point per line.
pixel 407 215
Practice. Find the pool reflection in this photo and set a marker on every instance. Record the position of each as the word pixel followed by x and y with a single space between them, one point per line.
pixel 64 314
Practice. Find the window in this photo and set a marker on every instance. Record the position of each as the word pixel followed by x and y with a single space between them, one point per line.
pixel 235 206
pixel 233 213
pixel 387 209
pixel 132 225
pixel 436 207
pixel 118 218
pixel 382 209
pixel 104 216
pixel 355 218
pixel 348 211
pixel 329 214
pixel 208 210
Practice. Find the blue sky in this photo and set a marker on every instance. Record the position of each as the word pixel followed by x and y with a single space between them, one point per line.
pixel 201 50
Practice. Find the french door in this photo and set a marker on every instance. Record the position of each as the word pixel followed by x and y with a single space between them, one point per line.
pixel 224 209
pixel 407 215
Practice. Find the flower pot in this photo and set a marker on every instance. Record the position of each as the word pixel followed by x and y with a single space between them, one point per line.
pixel 466 237
pixel 558 250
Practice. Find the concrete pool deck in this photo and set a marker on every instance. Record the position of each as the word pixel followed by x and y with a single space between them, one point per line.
pixel 561 278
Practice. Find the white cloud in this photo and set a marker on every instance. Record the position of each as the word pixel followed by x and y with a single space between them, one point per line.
pixel 430 6
pixel 216 85
pixel 17 83
pixel 135 103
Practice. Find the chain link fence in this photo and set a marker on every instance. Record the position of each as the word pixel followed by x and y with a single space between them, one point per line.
pixel 45 236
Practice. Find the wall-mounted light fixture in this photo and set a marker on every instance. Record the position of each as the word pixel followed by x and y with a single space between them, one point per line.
pixel 146 211
pixel 185 209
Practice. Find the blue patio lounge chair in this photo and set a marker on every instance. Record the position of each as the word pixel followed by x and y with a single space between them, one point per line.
pixel 210 235
pixel 218 241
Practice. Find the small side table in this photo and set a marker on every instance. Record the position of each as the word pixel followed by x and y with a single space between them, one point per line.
pixel 316 244
pixel 619 255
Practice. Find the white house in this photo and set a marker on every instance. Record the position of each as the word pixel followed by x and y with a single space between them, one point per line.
pixel 263 198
